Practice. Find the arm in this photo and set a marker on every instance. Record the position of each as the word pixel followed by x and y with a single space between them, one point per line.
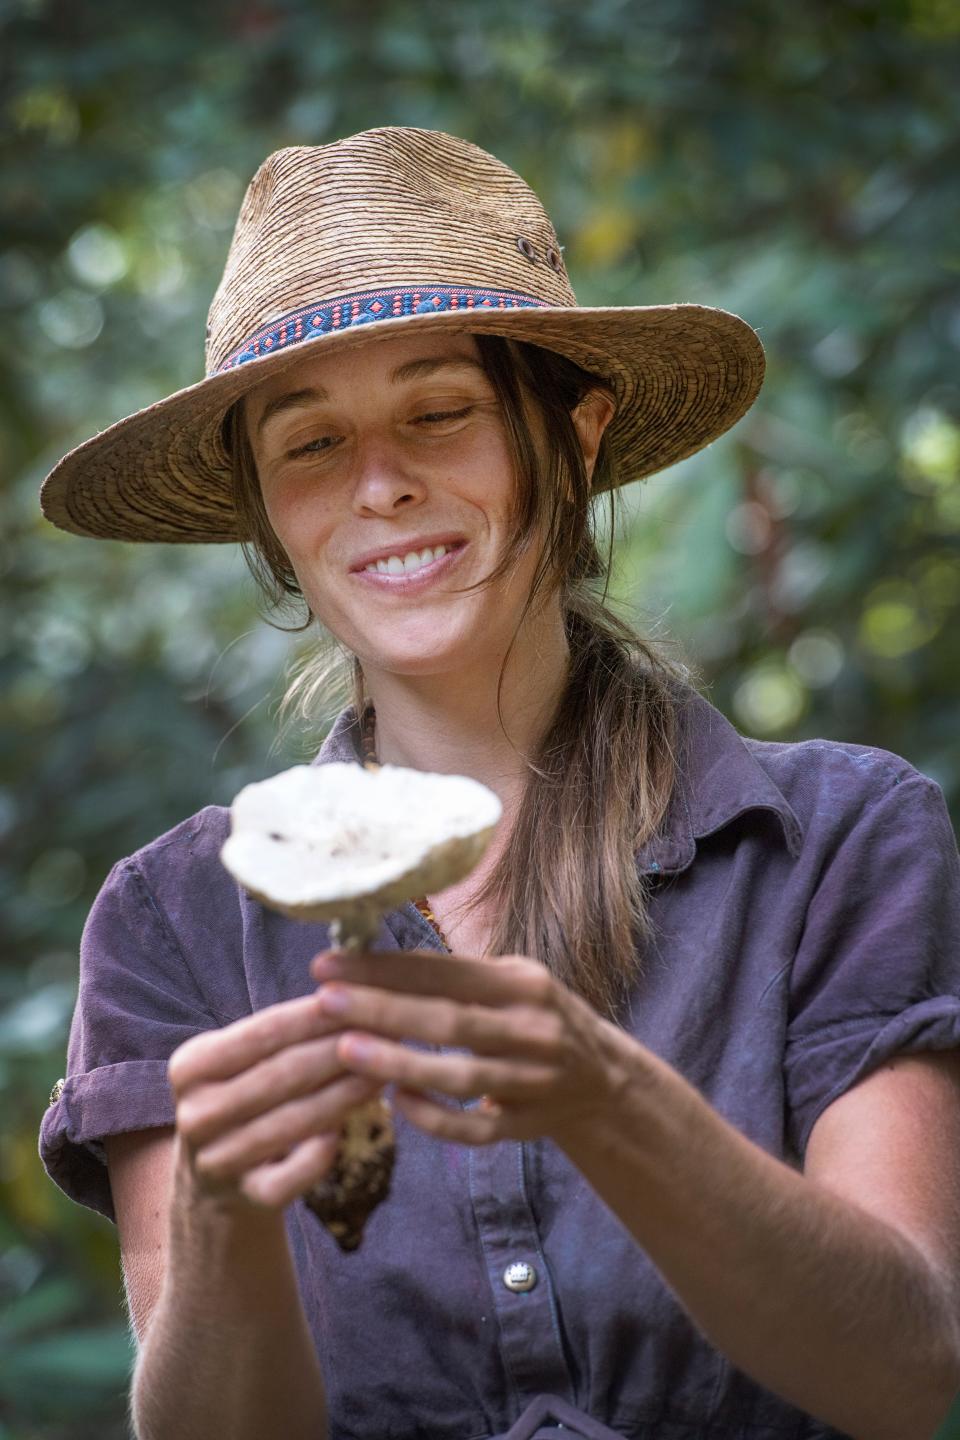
pixel 227 1350
pixel 140 1170
pixel 838 1289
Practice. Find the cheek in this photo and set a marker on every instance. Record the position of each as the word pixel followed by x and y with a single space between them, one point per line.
pixel 488 486
pixel 280 504
pixel 298 519
pixel 302 527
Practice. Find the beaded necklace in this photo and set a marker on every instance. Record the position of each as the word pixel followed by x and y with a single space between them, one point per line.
pixel 368 745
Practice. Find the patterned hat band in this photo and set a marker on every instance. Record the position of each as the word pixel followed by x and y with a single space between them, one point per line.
pixel 364 307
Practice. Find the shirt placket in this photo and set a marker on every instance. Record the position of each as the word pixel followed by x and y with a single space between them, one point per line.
pixel 523 1292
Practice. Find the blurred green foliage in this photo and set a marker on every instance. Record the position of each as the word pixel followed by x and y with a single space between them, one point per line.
pixel 795 164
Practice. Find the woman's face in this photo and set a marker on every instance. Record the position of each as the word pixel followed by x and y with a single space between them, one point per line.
pixel 387 477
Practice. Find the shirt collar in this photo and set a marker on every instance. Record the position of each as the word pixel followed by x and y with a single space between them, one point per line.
pixel 718 780
pixel 343 740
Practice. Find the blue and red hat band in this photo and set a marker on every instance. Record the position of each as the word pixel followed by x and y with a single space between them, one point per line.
pixel 364 307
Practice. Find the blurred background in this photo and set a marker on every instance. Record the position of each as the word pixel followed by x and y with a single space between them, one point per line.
pixel 797 164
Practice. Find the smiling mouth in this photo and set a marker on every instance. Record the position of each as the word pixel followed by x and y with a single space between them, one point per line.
pixel 411 562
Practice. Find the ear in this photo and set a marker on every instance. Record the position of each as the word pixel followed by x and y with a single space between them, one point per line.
pixel 591 416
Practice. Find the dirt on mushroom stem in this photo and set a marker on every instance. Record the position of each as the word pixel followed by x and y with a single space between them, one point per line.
pixel 362 1172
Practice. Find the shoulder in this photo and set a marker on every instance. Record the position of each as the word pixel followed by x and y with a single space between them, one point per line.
pixel 176 885
pixel 196 840
pixel 820 789
pixel 198 836
pixel 834 787
pixel 807 770
pixel 185 858
pixel 170 917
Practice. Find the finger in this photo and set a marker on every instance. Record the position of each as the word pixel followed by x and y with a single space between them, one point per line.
pixel 467 1127
pixel 214 1106
pixel 536 1034
pixel 271 1135
pixel 276 1184
pixel 463 1077
pixel 219 1054
pixel 495 980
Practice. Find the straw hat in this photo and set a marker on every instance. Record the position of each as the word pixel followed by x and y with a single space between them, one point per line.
pixel 385 233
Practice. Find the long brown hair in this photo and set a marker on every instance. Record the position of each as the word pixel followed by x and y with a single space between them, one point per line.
pixel 566 888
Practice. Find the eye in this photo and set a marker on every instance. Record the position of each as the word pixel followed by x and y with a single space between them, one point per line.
pixel 434 417
pixel 321 442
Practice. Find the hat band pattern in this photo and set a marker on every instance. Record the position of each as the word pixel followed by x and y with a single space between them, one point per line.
pixel 347 311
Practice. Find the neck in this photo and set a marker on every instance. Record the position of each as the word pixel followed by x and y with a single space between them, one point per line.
pixel 448 722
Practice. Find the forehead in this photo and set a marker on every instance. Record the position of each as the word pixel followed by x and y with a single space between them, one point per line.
pixel 380 362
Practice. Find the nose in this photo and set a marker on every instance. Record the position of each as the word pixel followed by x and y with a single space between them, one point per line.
pixel 385 480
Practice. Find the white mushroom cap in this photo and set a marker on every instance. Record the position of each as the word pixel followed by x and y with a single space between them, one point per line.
pixel 340 842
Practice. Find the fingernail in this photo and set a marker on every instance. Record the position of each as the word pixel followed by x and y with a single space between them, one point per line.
pixel 358 1047
pixel 333 999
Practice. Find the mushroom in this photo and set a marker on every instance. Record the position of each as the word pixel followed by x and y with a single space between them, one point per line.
pixel 342 844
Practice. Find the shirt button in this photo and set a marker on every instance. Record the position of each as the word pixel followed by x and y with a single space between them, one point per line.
pixel 519 1276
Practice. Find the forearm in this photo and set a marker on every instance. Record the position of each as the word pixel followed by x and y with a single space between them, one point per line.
pixel 228 1351
pixel 819 1301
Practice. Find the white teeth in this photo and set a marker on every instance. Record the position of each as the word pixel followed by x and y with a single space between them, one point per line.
pixel 413 560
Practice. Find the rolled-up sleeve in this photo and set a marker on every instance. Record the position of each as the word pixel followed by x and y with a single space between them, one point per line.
pixel 877 972
pixel 137 1002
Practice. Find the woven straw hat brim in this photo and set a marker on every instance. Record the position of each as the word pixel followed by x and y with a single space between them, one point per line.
pixel 682 375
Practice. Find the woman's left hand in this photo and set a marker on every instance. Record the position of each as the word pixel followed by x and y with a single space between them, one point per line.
pixel 542 1059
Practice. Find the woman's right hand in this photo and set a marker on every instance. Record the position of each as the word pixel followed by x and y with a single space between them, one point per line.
pixel 260 1104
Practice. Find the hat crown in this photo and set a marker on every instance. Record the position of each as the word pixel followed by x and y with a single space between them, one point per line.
pixel 384 209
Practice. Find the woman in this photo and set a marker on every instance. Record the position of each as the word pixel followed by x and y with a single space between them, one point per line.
pixel 672 1115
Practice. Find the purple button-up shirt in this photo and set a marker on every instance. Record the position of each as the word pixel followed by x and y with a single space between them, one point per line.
pixel 806 911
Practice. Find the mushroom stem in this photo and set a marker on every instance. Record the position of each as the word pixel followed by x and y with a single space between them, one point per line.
pixel 360 1178
pixel 355 932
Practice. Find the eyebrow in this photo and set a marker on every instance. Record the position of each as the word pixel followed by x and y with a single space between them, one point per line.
pixel 412 370
pixel 295 399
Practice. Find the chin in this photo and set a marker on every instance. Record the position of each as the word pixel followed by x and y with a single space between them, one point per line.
pixel 411 663
pixel 422 647
pixel 426 653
